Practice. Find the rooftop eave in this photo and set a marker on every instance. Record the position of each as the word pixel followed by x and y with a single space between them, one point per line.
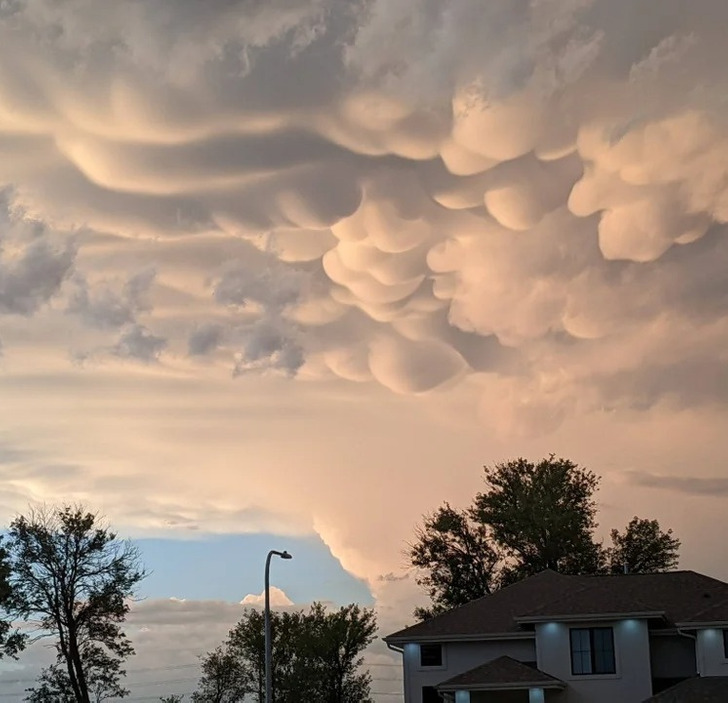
pixel 519 686
pixel 453 637
pixel 590 617
pixel 720 624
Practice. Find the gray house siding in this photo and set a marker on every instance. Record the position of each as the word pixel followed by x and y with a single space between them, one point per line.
pixel 458 657
pixel 631 683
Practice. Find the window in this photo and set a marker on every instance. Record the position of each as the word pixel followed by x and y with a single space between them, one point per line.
pixel 430 695
pixel 430 655
pixel 725 643
pixel 592 650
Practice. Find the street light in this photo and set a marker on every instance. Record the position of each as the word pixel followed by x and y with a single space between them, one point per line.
pixel 268 645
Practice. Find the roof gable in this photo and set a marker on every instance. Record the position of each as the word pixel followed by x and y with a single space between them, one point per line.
pixel 676 597
pixel 503 672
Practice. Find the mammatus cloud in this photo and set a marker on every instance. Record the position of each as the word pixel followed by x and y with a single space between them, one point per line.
pixel 433 186
pixel 521 205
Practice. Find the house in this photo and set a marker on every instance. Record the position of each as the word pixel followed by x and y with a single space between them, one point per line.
pixel 553 638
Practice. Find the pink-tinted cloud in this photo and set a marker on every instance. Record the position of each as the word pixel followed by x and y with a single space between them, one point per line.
pixel 288 240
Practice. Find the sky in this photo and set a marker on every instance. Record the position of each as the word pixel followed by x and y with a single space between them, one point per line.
pixel 286 274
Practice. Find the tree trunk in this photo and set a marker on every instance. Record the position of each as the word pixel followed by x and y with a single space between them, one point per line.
pixel 77 664
pixel 69 664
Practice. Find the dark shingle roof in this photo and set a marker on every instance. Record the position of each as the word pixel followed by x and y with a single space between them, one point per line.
pixel 503 672
pixel 677 596
pixel 715 612
pixel 680 595
pixel 708 689
pixel 490 614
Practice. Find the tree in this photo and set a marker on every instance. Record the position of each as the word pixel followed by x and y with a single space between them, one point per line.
pixel 11 640
pixel 225 677
pixel 103 673
pixel 542 515
pixel 643 548
pixel 329 647
pixel 53 686
pixel 456 559
pixel 171 699
pixel 102 677
pixel 315 656
pixel 534 516
pixel 72 577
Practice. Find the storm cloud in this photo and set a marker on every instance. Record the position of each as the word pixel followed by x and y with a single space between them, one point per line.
pixel 282 236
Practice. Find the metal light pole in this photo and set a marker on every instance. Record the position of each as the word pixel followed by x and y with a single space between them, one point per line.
pixel 268 643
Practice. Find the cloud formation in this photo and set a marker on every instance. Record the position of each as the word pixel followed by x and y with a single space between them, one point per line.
pixel 432 187
pixel 277 598
pixel 691 485
pixel 518 209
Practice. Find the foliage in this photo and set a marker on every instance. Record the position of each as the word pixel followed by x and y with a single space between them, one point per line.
pixel 11 641
pixel 225 677
pixel 542 515
pixel 643 548
pixel 316 656
pixel 53 686
pixel 329 647
pixel 171 699
pixel 534 516
pixel 72 577
pixel 102 678
pixel 456 559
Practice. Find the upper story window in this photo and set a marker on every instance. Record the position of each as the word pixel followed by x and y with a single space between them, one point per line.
pixel 725 643
pixel 430 655
pixel 592 650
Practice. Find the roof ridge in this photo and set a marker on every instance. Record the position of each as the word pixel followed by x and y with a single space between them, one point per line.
pixel 533 674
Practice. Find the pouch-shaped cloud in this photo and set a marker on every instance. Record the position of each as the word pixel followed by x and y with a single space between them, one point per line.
pixel 431 167
pixel 524 200
pixel 413 367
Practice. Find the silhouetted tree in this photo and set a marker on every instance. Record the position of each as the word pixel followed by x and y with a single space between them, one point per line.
pixel 643 548
pixel 542 515
pixel 534 516
pixel 11 640
pixel 456 559
pixel 226 677
pixel 53 686
pixel 316 657
pixel 328 649
pixel 102 671
pixel 73 578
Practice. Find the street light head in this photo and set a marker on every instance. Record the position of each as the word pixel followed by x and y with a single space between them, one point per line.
pixel 286 555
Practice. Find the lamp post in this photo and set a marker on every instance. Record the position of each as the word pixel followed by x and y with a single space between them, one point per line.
pixel 268 643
